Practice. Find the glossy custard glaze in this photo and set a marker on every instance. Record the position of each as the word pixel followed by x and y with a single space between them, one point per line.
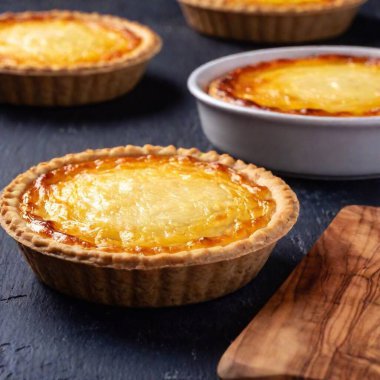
pixel 327 85
pixel 278 2
pixel 62 42
pixel 146 204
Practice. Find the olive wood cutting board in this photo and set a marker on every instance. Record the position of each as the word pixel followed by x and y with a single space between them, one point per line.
pixel 324 321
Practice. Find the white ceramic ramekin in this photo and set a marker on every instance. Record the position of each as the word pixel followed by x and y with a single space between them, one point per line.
pixel 311 146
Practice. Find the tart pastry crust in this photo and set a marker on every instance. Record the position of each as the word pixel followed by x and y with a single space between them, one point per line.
pixel 103 78
pixel 164 278
pixel 270 23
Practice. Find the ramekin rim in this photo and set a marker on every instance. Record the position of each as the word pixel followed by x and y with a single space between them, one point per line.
pixel 200 94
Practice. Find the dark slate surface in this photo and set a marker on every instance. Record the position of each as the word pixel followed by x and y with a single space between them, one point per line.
pixel 44 335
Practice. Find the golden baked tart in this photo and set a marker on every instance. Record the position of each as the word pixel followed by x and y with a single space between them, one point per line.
pixel 147 226
pixel 67 58
pixel 326 85
pixel 271 21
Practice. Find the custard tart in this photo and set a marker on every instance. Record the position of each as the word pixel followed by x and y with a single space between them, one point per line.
pixel 147 226
pixel 325 85
pixel 63 58
pixel 271 21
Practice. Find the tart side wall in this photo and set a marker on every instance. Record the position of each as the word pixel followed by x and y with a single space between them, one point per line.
pixel 159 287
pixel 68 90
pixel 270 28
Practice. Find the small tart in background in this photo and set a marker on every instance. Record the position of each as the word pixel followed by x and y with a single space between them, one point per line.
pixel 68 58
pixel 147 226
pixel 327 85
pixel 271 21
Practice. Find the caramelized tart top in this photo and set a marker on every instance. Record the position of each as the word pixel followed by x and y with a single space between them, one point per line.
pixel 326 85
pixel 147 204
pixel 64 39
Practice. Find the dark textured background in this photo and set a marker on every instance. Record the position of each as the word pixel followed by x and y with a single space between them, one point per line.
pixel 44 335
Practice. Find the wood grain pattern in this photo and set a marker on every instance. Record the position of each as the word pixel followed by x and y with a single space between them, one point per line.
pixel 324 322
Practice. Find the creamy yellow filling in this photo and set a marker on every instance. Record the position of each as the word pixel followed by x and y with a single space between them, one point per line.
pixel 333 86
pixel 278 2
pixel 145 205
pixel 61 42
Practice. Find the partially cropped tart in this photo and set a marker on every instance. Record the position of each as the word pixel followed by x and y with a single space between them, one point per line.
pixel 143 209
pixel 274 21
pixel 327 85
pixel 63 43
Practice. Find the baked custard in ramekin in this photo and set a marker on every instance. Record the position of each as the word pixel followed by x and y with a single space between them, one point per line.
pixel 310 111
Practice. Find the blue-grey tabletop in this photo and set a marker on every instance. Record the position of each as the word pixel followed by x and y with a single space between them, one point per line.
pixel 45 335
